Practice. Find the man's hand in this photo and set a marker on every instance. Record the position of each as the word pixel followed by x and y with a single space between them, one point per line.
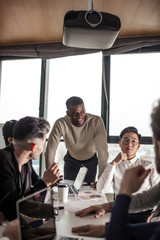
pixel 133 179
pixel 93 185
pixel 121 157
pixel 59 180
pixel 99 210
pixel 12 230
pixel 150 217
pixel 51 175
pixel 90 230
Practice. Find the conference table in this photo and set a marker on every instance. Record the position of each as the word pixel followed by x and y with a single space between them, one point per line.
pixel 67 218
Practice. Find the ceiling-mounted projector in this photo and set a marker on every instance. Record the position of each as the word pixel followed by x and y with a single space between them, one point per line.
pixel 90 29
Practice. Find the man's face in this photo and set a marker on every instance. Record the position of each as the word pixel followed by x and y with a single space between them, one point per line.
pixel 130 144
pixel 77 115
pixel 38 149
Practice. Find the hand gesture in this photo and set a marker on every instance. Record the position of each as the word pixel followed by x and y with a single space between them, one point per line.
pixel 93 185
pixel 90 230
pixel 150 217
pixel 121 157
pixel 51 175
pixel 99 210
pixel 12 230
pixel 133 179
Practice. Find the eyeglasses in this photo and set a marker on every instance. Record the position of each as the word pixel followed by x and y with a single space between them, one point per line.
pixel 127 141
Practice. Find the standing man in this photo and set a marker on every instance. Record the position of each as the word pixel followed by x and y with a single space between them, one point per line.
pixel 84 135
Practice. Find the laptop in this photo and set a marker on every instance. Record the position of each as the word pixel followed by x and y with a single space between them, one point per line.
pixel 36 217
pixel 74 188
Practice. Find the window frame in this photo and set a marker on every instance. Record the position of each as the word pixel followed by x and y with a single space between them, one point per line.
pixel 105 94
pixel 106 106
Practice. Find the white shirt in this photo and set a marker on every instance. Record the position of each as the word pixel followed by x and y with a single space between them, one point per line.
pixel 113 175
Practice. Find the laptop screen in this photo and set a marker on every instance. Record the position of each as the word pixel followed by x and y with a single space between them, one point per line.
pixel 36 216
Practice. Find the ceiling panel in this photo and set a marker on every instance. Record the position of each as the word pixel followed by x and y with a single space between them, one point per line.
pixel 41 21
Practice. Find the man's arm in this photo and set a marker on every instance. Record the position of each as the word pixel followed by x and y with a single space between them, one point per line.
pixel 119 228
pixel 146 200
pixel 106 179
pixel 11 231
pixel 8 187
pixel 53 141
pixel 131 182
pixel 141 201
pixel 90 230
pixel 154 176
pixel 98 210
pixel 49 178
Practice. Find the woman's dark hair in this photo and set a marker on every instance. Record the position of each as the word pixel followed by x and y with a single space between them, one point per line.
pixel 7 130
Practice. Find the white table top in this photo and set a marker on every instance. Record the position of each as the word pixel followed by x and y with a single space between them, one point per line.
pixel 67 219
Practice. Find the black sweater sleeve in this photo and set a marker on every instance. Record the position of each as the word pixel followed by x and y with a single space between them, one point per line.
pixel 119 229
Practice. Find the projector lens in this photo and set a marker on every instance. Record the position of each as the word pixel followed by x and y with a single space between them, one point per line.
pixel 93 18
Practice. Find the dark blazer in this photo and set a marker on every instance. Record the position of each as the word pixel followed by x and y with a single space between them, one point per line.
pixel 15 185
pixel 119 229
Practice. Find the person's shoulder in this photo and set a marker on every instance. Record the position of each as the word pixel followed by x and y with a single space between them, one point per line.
pixel 146 163
pixel 92 117
pixel 5 156
pixel 5 151
pixel 94 121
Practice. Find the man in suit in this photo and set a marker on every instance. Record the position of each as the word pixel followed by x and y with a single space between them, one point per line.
pixel 17 177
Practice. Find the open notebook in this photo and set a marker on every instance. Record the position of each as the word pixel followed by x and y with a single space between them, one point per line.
pixel 36 217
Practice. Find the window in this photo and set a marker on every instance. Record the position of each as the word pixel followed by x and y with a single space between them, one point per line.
pixel 75 76
pixel 20 91
pixel 134 88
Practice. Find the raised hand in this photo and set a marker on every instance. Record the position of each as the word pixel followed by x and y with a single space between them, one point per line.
pixel 93 185
pixel 51 175
pixel 121 157
pixel 133 179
